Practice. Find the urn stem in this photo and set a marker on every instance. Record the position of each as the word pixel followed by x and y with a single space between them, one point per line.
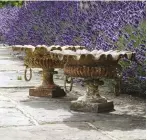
pixel 92 88
pixel 48 77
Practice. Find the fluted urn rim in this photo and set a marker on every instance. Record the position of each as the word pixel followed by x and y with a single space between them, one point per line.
pixel 47 49
pixel 96 55
pixel 40 56
pixel 78 53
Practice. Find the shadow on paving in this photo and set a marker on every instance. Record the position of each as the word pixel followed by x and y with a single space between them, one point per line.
pixel 106 121
pixel 111 122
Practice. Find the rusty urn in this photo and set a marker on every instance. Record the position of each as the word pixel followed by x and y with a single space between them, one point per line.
pixel 40 57
pixel 92 66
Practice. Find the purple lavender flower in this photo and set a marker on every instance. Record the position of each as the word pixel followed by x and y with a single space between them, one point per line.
pixel 96 25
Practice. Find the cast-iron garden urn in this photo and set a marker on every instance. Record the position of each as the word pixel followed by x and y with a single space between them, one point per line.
pixel 92 66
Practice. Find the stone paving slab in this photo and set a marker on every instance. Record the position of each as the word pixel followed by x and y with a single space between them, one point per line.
pixel 53 131
pixel 12 117
pixel 5 68
pixel 55 111
pixel 47 118
pixel 116 127
pixel 10 79
pixel 122 127
pixel 5 51
pixel 6 104
pixel 22 95
pixel 10 62
pixel 136 134
pixel 2 98
pixel 3 57
pixel 48 110
pixel 16 94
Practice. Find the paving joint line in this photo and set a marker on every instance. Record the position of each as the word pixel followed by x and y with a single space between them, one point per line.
pixel 31 118
pixel 14 126
pixel 6 107
pixel 101 131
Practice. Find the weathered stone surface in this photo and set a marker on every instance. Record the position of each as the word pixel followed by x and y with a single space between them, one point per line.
pixel 52 131
pixel 12 117
pixel 6 104
pixel 10 79
pixel 53 119
pixel 123 127
pixel 54 110
pixel 16 94
pixel 92 107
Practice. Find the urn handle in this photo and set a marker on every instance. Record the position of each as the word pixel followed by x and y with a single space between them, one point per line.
pixel 30 74
pixel 68 80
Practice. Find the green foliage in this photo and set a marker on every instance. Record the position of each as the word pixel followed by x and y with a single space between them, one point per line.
pixel 11 3
pixel 134 75
pixel 19 78
pixel 131 33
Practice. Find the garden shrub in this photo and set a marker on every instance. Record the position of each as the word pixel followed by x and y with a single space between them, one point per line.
pixel 134 73
pixel 96 25
pixel 7 16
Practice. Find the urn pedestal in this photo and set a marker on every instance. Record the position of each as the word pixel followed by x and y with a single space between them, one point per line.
pixel 39 57
pixel 48 87
pixel 97 107
pixel 92 101
pixel 93 66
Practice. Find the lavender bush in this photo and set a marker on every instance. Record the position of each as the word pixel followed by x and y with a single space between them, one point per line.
pixel 7 17
pixel 43 23
pixel 96 25
pixel 134 74
pixel 101 23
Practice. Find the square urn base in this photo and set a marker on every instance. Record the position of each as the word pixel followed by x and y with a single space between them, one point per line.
pixel 92 107
pixel 47 92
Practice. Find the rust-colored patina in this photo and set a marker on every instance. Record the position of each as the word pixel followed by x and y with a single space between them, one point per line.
pixel 92 66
